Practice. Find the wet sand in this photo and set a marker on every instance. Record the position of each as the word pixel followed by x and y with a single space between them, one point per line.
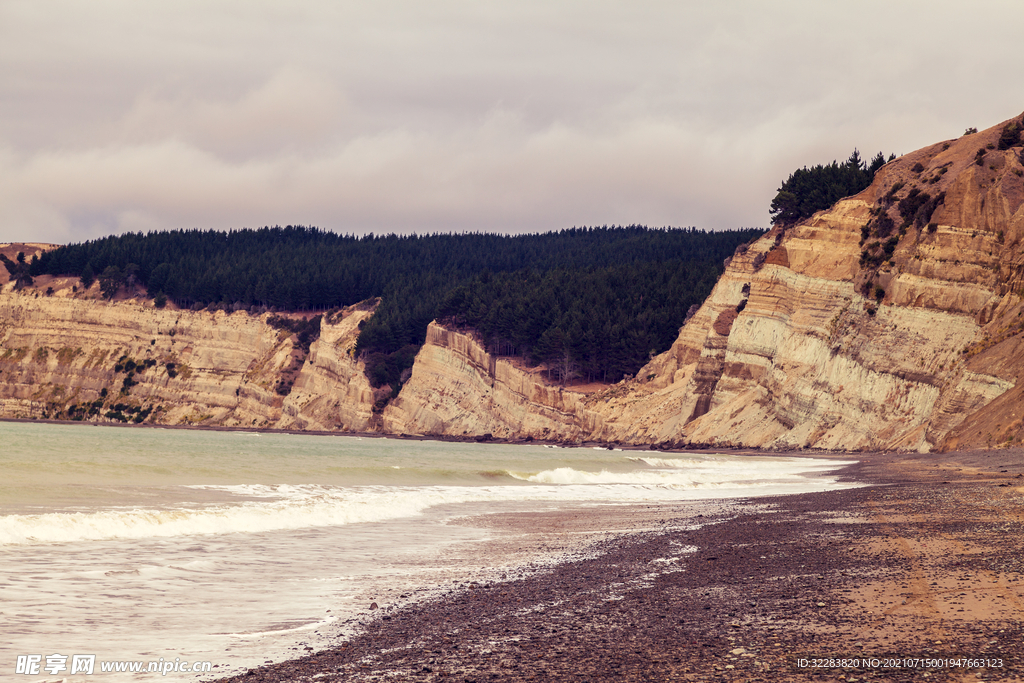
pixel 926 564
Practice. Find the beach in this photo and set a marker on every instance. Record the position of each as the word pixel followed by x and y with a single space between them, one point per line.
pixel 916 576
pixel 231 550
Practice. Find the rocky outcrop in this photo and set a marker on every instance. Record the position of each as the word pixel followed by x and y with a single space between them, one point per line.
pixel 331 391
pixel 70 355
pixel 830 350
pixel 458 389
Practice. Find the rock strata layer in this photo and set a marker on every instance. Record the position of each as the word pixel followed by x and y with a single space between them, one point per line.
pixel 458 389
pixel 71 356
pixel 892 320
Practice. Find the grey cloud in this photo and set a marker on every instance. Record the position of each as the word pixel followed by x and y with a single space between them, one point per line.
pixel 291 110
pixel 410 116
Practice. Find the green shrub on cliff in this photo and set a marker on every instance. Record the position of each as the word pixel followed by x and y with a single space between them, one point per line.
pixel 1010 137
pixel 18 270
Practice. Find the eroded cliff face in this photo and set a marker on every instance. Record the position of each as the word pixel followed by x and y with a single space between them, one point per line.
pixel 331 391
pixel 875 324
pixel 70 355
pixel 893 320
pixel 840 344
pixel 458 389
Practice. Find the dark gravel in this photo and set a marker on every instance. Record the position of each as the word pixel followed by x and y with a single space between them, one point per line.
pixel 929 565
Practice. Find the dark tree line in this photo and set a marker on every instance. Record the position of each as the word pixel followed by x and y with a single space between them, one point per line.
pixel 809 190
pixel 307 269
pixel 595 324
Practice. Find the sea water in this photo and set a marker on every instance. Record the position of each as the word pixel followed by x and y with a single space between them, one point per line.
pixel 167 546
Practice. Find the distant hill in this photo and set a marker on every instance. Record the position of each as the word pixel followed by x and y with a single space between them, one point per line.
pixel 599 301
pixel 892 319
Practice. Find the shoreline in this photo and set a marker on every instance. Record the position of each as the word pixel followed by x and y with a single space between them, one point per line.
pixel 665 447
pixel 925 561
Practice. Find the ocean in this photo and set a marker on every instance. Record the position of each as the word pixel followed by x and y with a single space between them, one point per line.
pixel 162 548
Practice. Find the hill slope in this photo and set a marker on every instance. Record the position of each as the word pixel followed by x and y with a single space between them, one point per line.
pixel 891 320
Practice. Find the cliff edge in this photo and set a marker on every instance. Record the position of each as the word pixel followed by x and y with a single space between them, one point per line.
pixel 891 320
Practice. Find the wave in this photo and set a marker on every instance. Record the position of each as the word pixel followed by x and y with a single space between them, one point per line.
pixel 568 475
pixel 668 462
pixel 261 508
pixel 285 507
pixel 766 467
pixel 691 472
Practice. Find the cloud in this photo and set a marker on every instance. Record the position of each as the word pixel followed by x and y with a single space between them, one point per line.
pixel 292 110
pixel 411 116
pixel 498 176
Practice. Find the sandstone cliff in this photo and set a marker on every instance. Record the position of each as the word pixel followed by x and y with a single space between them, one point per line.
pixel 458 389
pixel 70 355
pixel 875 324
pixel 891 320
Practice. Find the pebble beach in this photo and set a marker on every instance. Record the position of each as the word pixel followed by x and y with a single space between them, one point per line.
pixel 918 575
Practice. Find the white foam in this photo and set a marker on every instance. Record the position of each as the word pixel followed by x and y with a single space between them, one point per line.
pixel 668 462
pixel 284 628
pixel 568 475
pixel 767 467
pixel 689 473
pixel 289 506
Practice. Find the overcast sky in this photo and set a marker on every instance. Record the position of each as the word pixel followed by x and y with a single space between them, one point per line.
pixel 516 116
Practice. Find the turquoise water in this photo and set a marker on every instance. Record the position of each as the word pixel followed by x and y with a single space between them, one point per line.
pixel 136 544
